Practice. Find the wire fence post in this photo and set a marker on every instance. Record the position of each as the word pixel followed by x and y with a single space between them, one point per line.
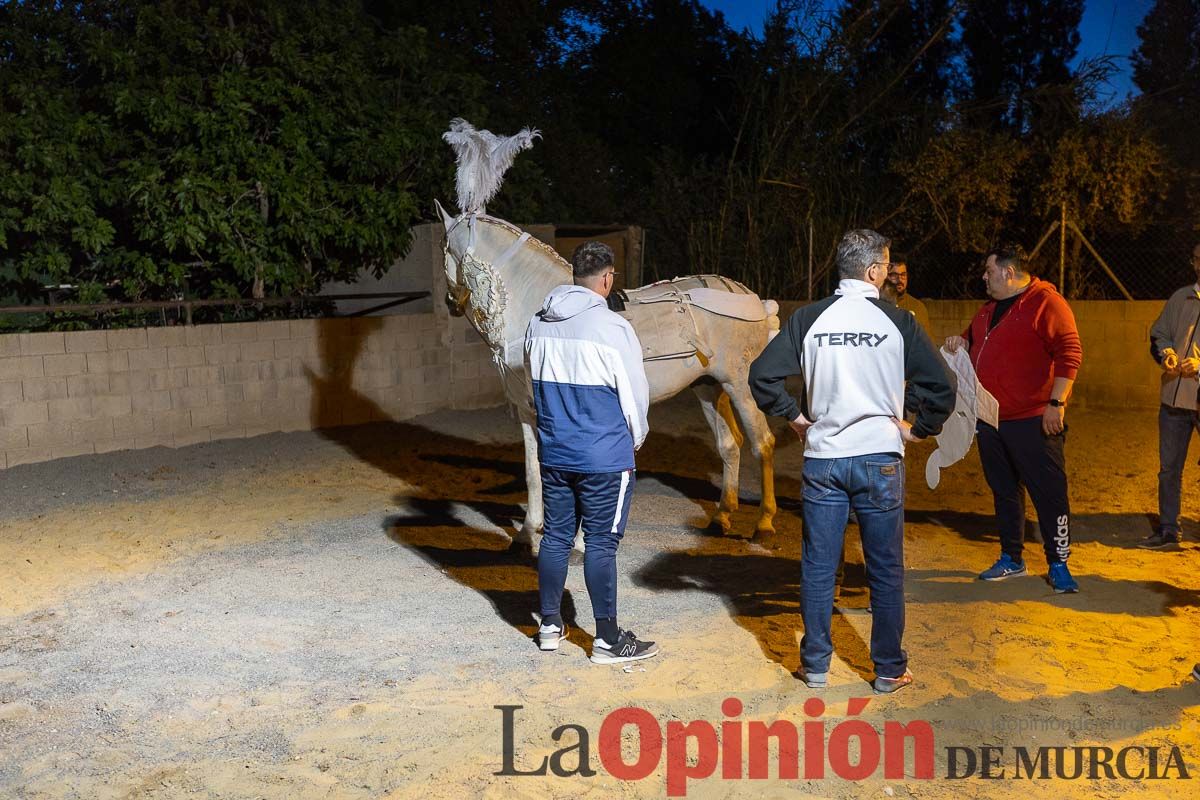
pixel 810 259
pixel 1062 250
pixel 1103 264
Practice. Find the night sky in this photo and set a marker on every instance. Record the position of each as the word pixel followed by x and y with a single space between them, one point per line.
pixel 1108 27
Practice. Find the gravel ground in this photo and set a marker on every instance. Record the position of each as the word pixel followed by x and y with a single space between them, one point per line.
pixel 336 615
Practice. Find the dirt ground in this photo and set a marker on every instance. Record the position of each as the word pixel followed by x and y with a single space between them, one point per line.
pixel 336 615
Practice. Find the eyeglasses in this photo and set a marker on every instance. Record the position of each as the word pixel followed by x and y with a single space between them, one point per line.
pixel 887 265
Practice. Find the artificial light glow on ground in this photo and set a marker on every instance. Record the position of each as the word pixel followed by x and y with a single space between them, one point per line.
pixel 334 615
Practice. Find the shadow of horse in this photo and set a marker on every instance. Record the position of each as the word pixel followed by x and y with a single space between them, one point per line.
pixel 477 558
pixel 761 592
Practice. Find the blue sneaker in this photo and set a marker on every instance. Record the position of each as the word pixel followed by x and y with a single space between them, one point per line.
pixel 1060 578
pixel 1005 567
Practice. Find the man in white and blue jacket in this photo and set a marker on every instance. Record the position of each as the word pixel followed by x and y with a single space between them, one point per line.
pixel 855 353
pixel 591 397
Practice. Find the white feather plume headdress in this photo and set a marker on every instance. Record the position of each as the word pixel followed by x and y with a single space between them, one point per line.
pixel 483 158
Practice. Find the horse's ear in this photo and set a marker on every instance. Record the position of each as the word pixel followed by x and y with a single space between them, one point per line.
pixel 447 220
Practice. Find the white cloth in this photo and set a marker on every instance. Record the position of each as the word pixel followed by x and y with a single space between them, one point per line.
pixel 973 402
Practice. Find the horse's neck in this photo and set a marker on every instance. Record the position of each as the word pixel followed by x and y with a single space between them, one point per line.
pixel 525 272
pixel 528 274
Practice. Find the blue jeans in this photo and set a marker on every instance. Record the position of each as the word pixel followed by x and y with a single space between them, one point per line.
pixel 599 503
pixel 873 485
pixel 1174 435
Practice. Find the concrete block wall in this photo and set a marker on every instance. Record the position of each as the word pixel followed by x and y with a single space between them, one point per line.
pixel 72 393
pixel 1117 370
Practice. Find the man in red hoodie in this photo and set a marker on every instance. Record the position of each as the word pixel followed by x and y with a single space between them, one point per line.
pixel 1025 349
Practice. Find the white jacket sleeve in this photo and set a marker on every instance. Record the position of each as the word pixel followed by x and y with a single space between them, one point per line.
pixel 632 388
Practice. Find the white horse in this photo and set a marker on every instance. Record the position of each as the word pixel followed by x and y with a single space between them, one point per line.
pixel 499 277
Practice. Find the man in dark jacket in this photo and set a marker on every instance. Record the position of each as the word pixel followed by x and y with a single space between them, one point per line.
pixel 854 352
pixel 1174 346
pixel 1025 349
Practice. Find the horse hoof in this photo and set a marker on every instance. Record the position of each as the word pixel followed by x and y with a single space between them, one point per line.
pixel 767 538
pixel 525 542
pixel 720 523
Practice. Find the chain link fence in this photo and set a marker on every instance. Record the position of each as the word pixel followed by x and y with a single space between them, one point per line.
pixel 1085 265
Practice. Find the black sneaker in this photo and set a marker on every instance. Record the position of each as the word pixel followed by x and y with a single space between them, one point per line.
pixel 627 648
pixel 890 685
pixel 1196 672
pixel 1161 539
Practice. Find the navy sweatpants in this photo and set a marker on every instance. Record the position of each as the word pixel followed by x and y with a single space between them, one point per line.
pixel 1020 457
pixel 599 503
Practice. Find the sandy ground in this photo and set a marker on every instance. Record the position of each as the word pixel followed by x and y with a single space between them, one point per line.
pixel 336 615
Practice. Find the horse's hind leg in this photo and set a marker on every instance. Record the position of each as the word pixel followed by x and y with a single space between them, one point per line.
pixel 762 444
pixel 715 405
pixel 529 535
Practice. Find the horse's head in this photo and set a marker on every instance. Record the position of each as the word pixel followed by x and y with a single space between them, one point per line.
pixel 457 292
pixel 474 288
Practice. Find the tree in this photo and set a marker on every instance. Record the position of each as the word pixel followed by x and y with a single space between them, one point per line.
pixel 967 183
pixel 230 147
pixel 1018 55
pixel 897 59
pixel 1166 67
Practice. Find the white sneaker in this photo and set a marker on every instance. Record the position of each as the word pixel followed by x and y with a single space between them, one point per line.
pixel 548 636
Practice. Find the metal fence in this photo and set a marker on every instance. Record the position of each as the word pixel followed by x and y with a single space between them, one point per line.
pixel 1148 264
pixel 83 316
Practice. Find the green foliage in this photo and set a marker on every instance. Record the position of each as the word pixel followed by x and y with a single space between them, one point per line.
pixel 1166 67
pixel 1107 171
pixel 229 148
pixel 967 180
pixel 218 148
pixel 1018 55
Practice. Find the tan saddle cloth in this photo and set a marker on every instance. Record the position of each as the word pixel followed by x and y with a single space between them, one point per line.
pixel 662 313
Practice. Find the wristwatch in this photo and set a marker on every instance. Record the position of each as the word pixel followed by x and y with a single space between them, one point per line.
pixel 1057 403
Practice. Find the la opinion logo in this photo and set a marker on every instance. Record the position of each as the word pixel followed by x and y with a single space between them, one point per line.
pixel 726 751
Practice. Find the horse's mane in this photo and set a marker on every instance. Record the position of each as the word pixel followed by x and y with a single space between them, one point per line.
pixel 532 241
pixel 483 158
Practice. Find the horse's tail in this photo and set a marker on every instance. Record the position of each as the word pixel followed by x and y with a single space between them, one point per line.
pixel 771 309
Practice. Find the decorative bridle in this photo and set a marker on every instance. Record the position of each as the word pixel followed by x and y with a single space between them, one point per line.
pixel 478 292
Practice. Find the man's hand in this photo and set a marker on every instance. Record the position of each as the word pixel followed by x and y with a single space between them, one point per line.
pixel 1053 420
pixel 953 343
pixel 1170 361
pixel 1189 366
pixel 906 427
pixel 800 425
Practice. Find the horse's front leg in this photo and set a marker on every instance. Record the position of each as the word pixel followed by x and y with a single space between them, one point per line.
pixel 729 445
pixel 530 533
pixel 762 443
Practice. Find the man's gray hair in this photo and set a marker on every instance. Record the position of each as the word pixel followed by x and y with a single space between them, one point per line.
pixel 591 258
pixel 858 250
